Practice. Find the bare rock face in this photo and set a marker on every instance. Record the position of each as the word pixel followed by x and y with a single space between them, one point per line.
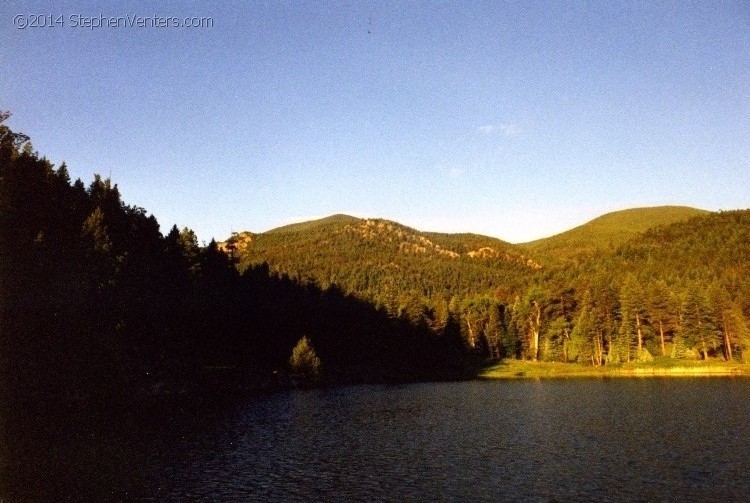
pixel 238 243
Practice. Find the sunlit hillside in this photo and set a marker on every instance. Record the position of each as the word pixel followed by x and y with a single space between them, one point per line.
pixel 376 259
pixel 607 231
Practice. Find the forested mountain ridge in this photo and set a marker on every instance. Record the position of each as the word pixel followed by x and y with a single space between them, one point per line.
pixel 311 225
pixel 615 290
pixel 600 235
pixel 708 254
pixel 710 245
pixel 316 232
pixel 607 231
pixel 376 259
pixel 371 258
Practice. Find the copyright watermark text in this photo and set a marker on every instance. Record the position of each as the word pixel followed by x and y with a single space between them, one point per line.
pixel 24 21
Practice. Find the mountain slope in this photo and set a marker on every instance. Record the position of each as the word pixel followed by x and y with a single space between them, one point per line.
pixel 313 225
pixel 607 232
pixel 377 259
pixel 577 305
pixel 713 246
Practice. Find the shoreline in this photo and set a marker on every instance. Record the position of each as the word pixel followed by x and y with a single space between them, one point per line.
pixel 512 369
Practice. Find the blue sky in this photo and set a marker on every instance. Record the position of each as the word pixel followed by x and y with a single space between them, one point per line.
pixel 512 119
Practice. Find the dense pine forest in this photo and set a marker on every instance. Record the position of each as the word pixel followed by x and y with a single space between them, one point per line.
pixel 95 295
pixel 665 282
pixel 101 313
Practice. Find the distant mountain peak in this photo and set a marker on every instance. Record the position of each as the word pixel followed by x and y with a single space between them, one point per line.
pixel 601 233
pixel 609 230
pixel 336 219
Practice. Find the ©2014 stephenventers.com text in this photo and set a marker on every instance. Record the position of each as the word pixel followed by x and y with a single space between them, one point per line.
pixel 23 21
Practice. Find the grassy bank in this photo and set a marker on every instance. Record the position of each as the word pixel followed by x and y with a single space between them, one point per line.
pixel 667 367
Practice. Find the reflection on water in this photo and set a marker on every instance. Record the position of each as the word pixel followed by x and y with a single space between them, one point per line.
pixel 571 440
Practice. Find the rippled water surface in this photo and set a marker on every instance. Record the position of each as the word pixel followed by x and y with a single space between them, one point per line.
pixel 562 440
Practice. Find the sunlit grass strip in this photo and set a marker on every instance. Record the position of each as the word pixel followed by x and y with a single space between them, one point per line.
pixel 684 371
pixel 515 369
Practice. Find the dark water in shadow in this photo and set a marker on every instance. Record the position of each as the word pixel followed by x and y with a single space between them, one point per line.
pixel 565 440
pixel 651 439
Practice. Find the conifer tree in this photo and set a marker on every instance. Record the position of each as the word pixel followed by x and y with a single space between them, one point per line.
pixel 662 312
pixel 698 328
pixel 584 335
pixel 633 316
pixel 304 362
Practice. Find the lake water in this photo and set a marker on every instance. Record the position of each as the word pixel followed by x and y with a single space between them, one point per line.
pixel 551 440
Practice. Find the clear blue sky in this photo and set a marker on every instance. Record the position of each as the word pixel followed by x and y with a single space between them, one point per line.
pixel 513 119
